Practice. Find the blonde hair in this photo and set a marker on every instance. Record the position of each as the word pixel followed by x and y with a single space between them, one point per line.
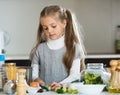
pixel 71 34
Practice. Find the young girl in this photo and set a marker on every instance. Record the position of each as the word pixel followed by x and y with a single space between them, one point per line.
pixel 57 56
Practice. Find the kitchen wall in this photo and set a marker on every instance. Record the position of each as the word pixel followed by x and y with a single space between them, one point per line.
pixel 98 18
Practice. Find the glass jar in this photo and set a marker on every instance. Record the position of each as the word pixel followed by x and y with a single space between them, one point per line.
pixel 11 71
pixel 10 85
pixel 117 40
pixel 95 74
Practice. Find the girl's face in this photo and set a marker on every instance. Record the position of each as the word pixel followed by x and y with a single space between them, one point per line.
pixel 53 27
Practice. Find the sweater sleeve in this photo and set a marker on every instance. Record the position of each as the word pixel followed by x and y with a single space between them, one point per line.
pixel 74 72
pixel 35 66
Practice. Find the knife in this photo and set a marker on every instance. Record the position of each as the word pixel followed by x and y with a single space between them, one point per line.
pixel 44 87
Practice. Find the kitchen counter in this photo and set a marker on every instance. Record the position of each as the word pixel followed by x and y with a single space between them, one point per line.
pixel 103 56
pixel 11 57
pixel 53 93
pixel 17 57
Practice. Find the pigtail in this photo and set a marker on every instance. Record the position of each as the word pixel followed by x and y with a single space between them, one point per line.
pixel 69 42
pixel 79 35
pixel 72 36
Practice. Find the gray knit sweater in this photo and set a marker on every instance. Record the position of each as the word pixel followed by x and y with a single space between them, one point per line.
pixel 50 65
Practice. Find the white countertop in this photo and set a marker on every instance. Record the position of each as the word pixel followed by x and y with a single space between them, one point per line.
pixel 16 57
pixel 103 56
pixel 53 93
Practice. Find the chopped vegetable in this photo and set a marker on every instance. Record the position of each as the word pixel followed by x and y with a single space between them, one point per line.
pixel 66 90
pixel 34 84
pixel 48 87
pixel 60 90
pixel 92 79
pixel 69 90
pixel 75 91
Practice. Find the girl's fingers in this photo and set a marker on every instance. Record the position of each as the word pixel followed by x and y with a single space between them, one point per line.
pixel 41 83
pixel 55 85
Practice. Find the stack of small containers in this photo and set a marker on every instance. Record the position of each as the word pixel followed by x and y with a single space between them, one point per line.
pixel 3 76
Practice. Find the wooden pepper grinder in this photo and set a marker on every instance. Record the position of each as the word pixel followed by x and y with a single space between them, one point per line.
pixel 21 87
pixel 115 77
pixel 113 64
pixel 118 73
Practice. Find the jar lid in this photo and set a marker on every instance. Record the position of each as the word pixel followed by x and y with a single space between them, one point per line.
pixel 95 64
pixel 2 57
pixel 21 70
pixel 10 64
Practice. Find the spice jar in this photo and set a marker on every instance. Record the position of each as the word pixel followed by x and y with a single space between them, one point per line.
pixel 11 70
pixel 21 86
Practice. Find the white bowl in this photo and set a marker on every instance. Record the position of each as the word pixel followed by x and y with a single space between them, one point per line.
pixel 75 85
pixel 32 90
pixel 90 89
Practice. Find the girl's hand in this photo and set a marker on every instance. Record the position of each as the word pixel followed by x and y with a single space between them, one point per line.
pixel 55 85
pixel 40 81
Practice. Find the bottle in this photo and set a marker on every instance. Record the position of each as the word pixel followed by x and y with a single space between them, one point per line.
pixel 2 72
pixel 21 86
pixel 2 60
pixel 117 40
